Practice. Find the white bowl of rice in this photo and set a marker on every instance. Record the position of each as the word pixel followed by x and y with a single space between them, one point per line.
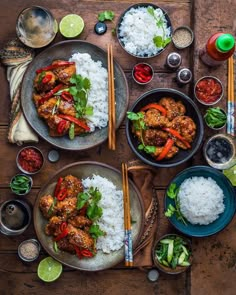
pixel 144 30
pixel 206 201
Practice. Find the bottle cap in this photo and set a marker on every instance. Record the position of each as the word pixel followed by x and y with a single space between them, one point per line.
pixel 225 42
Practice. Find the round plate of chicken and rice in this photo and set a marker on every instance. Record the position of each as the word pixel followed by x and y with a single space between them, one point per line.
pixel 64 95
pixel 79 217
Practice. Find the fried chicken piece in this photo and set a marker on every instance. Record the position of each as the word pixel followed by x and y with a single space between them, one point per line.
pixel 53 226
pixel 67 207
pixel 173 108
pixel 65 245
pixel 53 122
pixel 80 221
pixel 154 137
pixel 154 119
pixel 39 86
pixel 67 108
pixel 80 238
pixel 185 126
pixel 45 110
pixel 37 97
pixel 46 205
pixel 172 152
pixel 73 186
pixel 64 73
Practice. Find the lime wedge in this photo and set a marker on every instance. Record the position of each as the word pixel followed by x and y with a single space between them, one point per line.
pixel 49 269
pixel 71 25
pixel 231 174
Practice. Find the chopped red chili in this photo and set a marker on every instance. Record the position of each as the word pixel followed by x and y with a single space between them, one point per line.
pixel 76 121
pixel 47 78
pixel 143 73
pixel 62 194
pixel 55 66
pixel 166 149
pixel 67 96
pixel 177 135
pixel 64 231
pixel 30 159
pixel 61 126
pixel 50 93
pixel 83 252
pixel 58 186
pixel 86 253
pixel 63 226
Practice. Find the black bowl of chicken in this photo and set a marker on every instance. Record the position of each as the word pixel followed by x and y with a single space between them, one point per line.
pixel 191 111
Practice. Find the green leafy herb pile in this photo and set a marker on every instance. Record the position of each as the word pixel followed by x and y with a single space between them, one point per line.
pixel 159 41
pixel 90 200
pixel 139 125
pixel 215 117
pixel 20 184
pixel 107 15
pixel 172 252
pixel 172 193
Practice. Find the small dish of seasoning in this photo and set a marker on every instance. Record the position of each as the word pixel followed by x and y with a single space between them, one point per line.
pixel 29 250
pixel 182 37
pixel 21 184
pixel 30 160
pixel 142 73
pixel 208 90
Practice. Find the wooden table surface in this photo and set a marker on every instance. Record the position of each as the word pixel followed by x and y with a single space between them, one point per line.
pixel 214 266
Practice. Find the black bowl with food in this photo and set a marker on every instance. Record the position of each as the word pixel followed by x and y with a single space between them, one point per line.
pixel 172 254
pixel 133 35
pixel 171 124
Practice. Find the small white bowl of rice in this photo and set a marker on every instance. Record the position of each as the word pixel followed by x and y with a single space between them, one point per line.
pixel 144 30
pixel 206 200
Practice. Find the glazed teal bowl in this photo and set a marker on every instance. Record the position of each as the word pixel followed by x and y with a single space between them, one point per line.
pixel 224 218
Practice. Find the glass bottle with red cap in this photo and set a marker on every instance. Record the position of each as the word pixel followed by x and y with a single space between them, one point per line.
pixel 219 48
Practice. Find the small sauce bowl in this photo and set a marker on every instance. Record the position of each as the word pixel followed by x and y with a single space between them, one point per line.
pixel 142 73
pixel 30 160
pixel 208 90
pixel 21 184
pixel 29 250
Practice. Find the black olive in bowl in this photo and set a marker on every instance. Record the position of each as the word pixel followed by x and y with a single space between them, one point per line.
pixel 154 96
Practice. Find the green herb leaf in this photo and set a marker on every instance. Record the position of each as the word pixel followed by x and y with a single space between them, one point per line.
pixel 171 192
pixel 158 41
pixel 135 116
pixel 150 10
pixel 95 231
pixel 106 15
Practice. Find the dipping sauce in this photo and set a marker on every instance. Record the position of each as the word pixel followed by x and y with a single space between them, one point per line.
pixel 208 90
pixel 30 160
pixel 142 73
pixel 219 152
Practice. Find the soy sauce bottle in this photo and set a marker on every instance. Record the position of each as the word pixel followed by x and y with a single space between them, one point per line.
pixel 219 48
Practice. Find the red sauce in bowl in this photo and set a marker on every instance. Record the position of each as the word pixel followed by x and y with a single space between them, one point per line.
pixel 30 160
pixel 208 90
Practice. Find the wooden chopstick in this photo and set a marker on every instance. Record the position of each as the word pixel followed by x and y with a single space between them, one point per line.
pixel 231 99
pixel 127 219
pixel 111 100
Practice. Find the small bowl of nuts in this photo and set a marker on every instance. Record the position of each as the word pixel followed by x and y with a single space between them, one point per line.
pixel 182 37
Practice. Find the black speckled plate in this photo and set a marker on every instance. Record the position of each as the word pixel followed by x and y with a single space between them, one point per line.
pixel 64 50
pixel 100 261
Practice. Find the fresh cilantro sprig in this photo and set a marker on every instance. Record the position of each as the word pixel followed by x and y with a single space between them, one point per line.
pixel 172 193
pixel 159 41
pixel 95 231
pixel 106 15
pixel 139 124
pixel 80 90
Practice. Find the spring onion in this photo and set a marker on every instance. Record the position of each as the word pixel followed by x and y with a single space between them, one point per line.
pixel 215 117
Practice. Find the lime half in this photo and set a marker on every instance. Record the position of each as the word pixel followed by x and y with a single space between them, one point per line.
pixel 231 174
pixel 49 269
pixel 71 25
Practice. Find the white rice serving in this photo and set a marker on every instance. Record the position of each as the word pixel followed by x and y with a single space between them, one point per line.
pixel 98 94
pixel 112 220
pixel 201 200
pixel 138 28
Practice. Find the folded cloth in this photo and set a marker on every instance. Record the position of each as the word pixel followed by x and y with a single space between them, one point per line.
pixel 17 57
pixel 142 175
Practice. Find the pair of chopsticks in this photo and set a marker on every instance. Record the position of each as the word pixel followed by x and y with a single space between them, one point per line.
pixel 127 217
pixel 231 99
pixel 111 100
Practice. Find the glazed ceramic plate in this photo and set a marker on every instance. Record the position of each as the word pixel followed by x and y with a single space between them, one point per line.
pixel 64 50
pixel 100 261
pixel 229 202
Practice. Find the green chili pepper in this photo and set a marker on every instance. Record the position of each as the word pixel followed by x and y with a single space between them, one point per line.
pixel 20 184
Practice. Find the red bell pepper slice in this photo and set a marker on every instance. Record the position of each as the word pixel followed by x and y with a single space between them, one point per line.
pixel 67 96
pixel 142 77
pixel 78 252
pixel 86 253
pixel 61 126
pixel 155 106
pixel 62 235
pixel 177 135
pixel 47 78
pixel 76 121
pixel 55 66
pixel 63 226
pixel 62 194
pixel 57 189
pixel 166 149
pixel 50 93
